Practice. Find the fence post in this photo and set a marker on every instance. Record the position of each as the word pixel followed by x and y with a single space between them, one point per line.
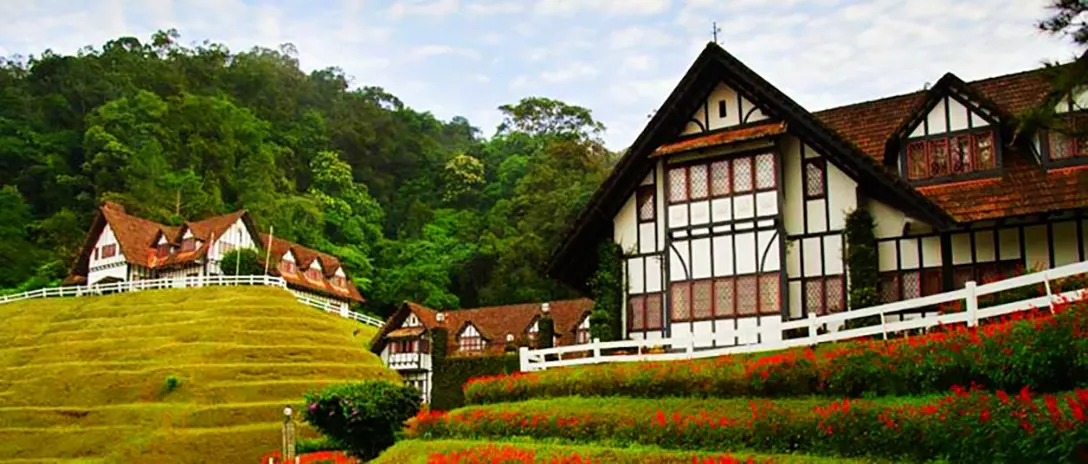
pixel 972 304
pixel 523 359
pixel 884 325
pixel 596 348
pixel 1049 293
pixel 691 347
pixel 811 328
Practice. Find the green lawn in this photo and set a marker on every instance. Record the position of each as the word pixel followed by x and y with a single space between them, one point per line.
pixel 82 379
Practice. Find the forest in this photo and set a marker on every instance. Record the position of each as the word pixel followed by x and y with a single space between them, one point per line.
pixel 420 209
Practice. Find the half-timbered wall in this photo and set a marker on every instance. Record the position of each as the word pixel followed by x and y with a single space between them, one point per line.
pixel 106 259
pixel 818 197
pixel 639 230
pixel 236 237
pixel 724 107
pixel 955 138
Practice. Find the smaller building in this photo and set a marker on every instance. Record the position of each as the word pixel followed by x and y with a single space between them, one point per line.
pixel 404 343
pixel 123 247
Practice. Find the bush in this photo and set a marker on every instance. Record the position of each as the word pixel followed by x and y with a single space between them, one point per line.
pixel 449 379
pixel 171 384
pixel 1048 353
pixel 243 261
pixel 966 426
pixel 364 417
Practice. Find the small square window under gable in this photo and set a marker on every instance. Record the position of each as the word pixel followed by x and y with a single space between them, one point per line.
pixel 287 263
pixel 952 135
pixel 315 271
pixel 1066 142
pixel 469 339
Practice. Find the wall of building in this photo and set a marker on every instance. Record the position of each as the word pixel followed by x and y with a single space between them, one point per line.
pixel 724 107
pixel 237 236
pixel 114 266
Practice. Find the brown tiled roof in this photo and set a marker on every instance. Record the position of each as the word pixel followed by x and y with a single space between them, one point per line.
pixel 722 138
pixel 306 256
pixel 494 322
pixel 1024 187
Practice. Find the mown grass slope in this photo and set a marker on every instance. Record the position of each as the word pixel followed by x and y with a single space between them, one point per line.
pixel 86 378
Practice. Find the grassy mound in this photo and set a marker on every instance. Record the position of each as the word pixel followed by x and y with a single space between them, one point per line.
pixel 529 452
pixel 87 378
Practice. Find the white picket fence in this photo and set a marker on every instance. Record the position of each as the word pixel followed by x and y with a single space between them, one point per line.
pixel 188 282
pixel 684 348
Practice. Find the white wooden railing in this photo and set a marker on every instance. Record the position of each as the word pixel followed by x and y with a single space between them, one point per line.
pixel 684 348
pixel 185 282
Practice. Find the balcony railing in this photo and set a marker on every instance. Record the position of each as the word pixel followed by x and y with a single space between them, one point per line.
pixel 409 361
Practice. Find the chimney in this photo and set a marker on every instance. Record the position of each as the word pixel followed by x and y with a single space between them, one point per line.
pixel 544 308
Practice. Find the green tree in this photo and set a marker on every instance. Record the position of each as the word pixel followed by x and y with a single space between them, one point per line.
pixel 242 261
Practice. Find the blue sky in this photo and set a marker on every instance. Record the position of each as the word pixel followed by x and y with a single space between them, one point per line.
pixel 619 58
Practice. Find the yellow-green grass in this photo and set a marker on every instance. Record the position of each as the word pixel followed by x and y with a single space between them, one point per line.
pixel 420 451
pixel 84 379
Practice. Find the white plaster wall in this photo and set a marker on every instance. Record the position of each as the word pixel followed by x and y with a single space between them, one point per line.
pixel 958 118
pixel 107 237
pixel 117 270
pixel 625 225
pixel 237 235
pixel 842 196
pixel 734 114
pixel 792 211
pixel 728 332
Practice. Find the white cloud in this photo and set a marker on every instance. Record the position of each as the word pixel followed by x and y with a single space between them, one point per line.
pixel 639 37
pixel 495 8
pixel 480 78
pixel 427 51
pixel 616 7
pixel 636 63
pixel 435 8
pixel 571 72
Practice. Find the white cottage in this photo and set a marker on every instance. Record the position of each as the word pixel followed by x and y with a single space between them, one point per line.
pixel 123 247
pixel 732 202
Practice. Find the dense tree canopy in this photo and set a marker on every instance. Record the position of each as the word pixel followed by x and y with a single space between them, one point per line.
pixel 418 208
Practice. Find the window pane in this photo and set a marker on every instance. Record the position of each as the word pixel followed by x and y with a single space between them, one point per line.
pixel 678 185
pixel 681 301
pixel 698 181
pixel 1059 145
pixel 961 155
pixel 701 300
pixel 768 294
pixel 723 298
pixel 889 287
pixel 645 197
pixel 814 297
pixel 765 176
pixel 938 158
pixel 912 284
pixel 719 178
pixel 747 295
pixel 653 311
pixel 916 160
pixel 636 309
pixel 814 179
pixel 961 276
pixel 836 294
pixel 742 174
pixel 931 282
pixel 984 150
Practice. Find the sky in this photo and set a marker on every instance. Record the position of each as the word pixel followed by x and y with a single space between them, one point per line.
pixel 619 58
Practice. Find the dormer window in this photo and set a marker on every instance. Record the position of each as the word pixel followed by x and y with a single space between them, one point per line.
pixel 952 155
pixel 534 330
pixel 287 267
pixel 469 340
pixel 340 281
pixel 1068 144
pixel 163 250
pixel 313 274
pixel 188 244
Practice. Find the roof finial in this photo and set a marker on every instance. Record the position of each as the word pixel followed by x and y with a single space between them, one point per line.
pixel 716 30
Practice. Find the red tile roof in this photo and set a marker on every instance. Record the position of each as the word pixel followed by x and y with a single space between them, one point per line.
pixel 305 257
pixel 722 138
pixel 1024 187
pixel 494 322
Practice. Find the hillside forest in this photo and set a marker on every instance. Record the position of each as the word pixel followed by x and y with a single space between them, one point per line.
pixel 437 212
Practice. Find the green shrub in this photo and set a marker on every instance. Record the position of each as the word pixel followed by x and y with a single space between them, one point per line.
pixel 449 379
pixel 606 286
pixel 1048 353
pixel 243 260
pixel 966 426
pixel 172 382
pixel 364 417
pixel 313 445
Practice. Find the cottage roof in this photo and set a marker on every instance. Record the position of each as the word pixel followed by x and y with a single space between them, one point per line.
pixel 305 257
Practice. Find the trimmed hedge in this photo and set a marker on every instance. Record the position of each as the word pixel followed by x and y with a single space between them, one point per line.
pixel 966 426
pixel 1048 353
pixel 449 375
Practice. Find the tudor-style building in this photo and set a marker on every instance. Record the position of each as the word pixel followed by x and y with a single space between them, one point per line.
pixel 404 342
pixel 123 247
pixel 732 202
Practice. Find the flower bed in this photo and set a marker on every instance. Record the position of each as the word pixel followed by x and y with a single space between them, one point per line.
pixel 1046 352
pixel 971 426
pixel 522 451
pixel 320 457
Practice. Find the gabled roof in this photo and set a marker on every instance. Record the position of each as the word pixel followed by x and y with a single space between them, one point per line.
pixel 575 258
pixel 493 322
pixel 304 257
pixel 949 85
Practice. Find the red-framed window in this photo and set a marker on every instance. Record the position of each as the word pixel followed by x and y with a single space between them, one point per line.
pixel 340 281
pixel 581 333
pixel 470 341
pixel 313 274
pixel 644 312
pixel 404 346
pixel 951 155
pixel 287 267
pixel 188 244
pixel 163 249
pixel 1065 146
pixel 825 295
pixel 742 174
pixel 815 178
pixel 725 297
pixel 644 198
pixel 905 285
pixel 109 251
